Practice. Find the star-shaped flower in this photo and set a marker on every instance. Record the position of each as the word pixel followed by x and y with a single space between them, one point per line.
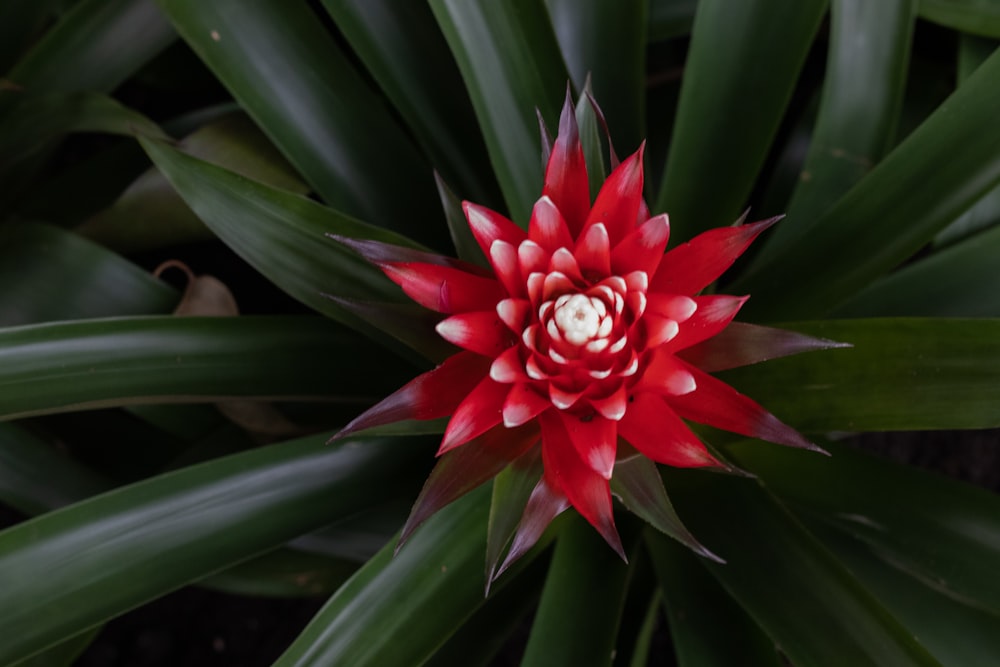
pixel 585 343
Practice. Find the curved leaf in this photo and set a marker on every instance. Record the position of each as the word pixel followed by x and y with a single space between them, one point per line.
pixel 397 611
pixel 771 560
pixel 293 80
pixel 511 65
pixel 741 68
pixel 72 569
pixel 400 43
pixel 606 41
pixel 900 374
pixel 95 46
pixel 96 363
pixel 941 169
pixel 959 281
pixel 699 611
pixel 943 532
pixel 150 213
pixel 282 235
pixel 933 617
pixel 577 619
pixel 283 573
pixel 47 274
pixel 859 107
pixel 35 478
pixel 979 17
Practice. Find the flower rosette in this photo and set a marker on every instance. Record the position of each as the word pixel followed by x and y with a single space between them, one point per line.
pixel 582 351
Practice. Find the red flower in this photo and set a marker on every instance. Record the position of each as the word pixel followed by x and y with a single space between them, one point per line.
pixel 584 336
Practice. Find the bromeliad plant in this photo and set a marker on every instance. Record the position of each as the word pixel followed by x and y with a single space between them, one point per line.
pixel 583 334
pixel 571 346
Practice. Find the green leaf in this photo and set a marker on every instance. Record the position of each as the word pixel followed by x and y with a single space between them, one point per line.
pixel 941 169
pixel 288 73
pixel 423 594
pixel 36 478
pixel 933 617
pixel 807 602
pixel 670 18
pixel 72 569
pixel 510 61
pixel 900 374
pixel 699 611
pixel 979 17
pixel 31 121
pixel 401 45
pixel 48 274
pixel 742 66
pixel 577 619
pixel 479 639
pixel 958 281
pixel 103 362
pixel 95 46
pixel 607 42
pixel 64 653
pixel 150 213
pixel 282 235
pixel 862 93
pixel 942 532
pixel 972 52
pixel 283 573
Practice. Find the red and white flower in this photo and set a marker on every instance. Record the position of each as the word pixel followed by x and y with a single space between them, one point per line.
pixel 585 340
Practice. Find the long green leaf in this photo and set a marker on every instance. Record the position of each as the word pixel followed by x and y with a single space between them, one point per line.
pixel 807 602
pixel 741 68
pixel 283 236
pixel 979 17
pixel 577 619
pixel 944 533
pixel 959 281
pixel 510 61
pixel 862 94
pixel 283 573
pixel 289 75
pixel 606 41
pixel 150 213
pixel 402 47
pixel 104 362
pixel 95 46
pixel 72 569
pixel 47 274
pixel 398 611
pixel 699 612
pixel 900 374
pixel 32 121
pixel 941 169
pixel 933 617
pixel 35 478
pixel 972 52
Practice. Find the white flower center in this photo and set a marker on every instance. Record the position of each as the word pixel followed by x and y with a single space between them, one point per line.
pixel 579 318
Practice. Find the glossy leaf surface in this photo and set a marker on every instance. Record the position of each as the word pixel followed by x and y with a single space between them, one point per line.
pixel 71 569
pixel 746 57
pixel 941 169
pixel 99 363
pixel 836 620
pixel 511 65
pixel 293 80
pixel 900 374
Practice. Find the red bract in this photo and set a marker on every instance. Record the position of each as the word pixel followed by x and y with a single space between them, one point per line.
pixel 585 335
